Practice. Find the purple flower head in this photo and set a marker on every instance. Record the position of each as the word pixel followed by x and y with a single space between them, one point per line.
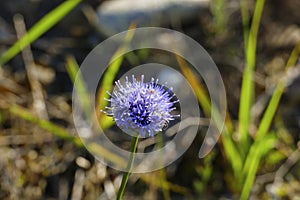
pixel 144 108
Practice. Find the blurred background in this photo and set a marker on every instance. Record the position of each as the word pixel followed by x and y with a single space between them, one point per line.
pixel 256 157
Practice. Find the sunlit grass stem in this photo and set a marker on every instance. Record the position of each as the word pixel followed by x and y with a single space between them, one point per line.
pixel 255 154
pixel 42 26
pixel 247 90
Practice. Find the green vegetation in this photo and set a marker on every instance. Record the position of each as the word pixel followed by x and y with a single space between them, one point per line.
pixel 245 153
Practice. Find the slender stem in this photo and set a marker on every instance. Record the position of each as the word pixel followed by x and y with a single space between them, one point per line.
pixel 247 90
pixel 133 148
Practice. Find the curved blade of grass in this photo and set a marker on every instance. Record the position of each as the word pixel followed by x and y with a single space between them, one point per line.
pixel 274 102
pixel 255 153
pixel 38 29
pixel 201 93
pixel 44 124
pixel 107 85
pixel 108 80
pixel 247 89
pixel 74 74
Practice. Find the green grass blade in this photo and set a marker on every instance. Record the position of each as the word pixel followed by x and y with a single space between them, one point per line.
pixel 38 29
pixel 253 166
pixel 200 92
pixel 254 156
pixel 252 41
pixel 247 89
pixel 73 71
pixel 44 124
pixel 108 80
pixel 232 153
pixel 246 99
pixel 275 99
pixel 257 151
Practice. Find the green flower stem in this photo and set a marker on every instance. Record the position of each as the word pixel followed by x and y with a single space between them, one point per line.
pixel 133 148
pixel 42 26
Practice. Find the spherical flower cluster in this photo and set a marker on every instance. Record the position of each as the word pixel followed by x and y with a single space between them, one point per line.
pixel 143 108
